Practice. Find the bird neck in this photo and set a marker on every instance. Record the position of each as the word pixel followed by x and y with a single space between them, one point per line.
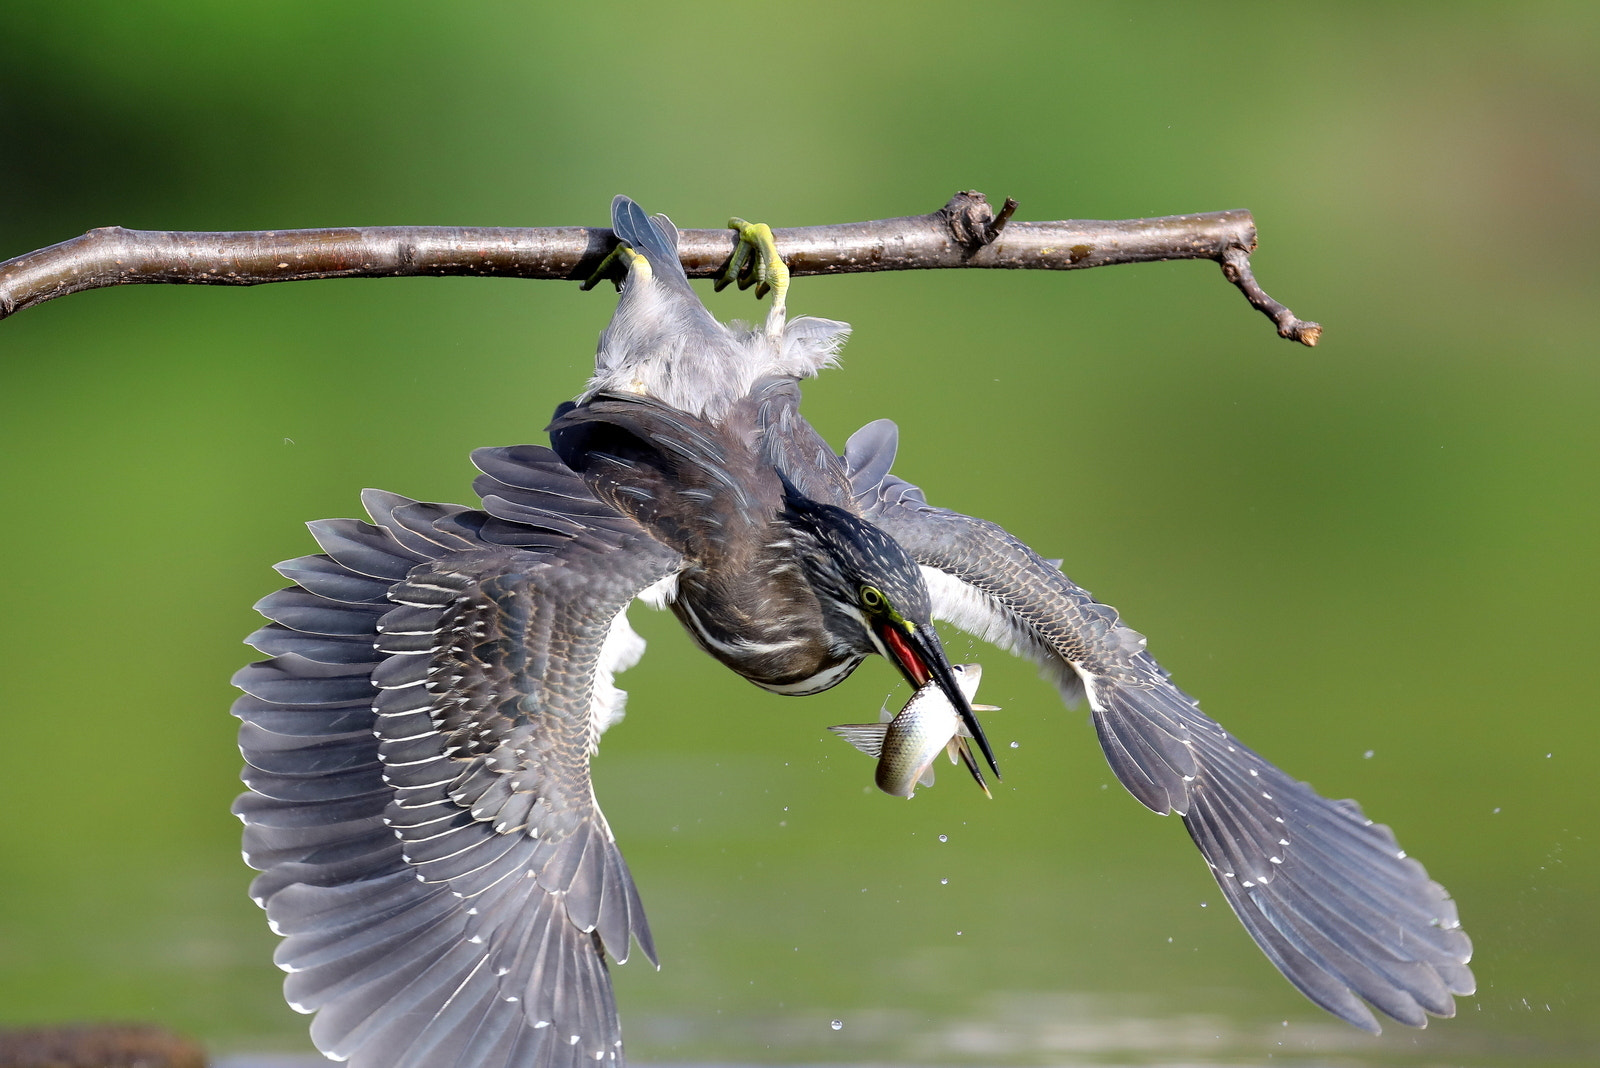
pixel 762 619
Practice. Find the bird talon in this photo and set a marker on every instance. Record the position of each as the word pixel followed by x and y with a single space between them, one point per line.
pixel 618 264
pixel 756 262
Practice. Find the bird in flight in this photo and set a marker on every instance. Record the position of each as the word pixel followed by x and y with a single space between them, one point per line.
pixel 417 745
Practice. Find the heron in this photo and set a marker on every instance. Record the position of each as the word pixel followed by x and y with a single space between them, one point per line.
pixel 418 741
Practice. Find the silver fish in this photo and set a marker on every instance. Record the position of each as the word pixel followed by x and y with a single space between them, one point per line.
pixel 906 745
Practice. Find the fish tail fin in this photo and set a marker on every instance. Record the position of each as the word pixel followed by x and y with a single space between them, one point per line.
pixel 867 737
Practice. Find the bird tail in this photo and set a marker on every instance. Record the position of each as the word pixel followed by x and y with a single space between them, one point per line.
pixel 653 236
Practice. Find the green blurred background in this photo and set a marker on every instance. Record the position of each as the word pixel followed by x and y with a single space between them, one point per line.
pixel 1374 561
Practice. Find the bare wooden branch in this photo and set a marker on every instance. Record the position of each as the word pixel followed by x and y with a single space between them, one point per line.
pixel 1236 268
pixel 966 233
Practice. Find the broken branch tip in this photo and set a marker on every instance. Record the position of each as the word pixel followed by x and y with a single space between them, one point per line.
pixel 1308 334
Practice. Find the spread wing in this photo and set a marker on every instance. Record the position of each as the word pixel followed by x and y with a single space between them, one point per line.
pixel 1327 894
pixel 418 760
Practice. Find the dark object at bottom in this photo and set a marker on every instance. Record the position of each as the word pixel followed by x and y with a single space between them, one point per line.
pixel 99 1046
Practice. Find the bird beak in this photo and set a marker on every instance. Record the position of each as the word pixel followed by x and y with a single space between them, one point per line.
pixel 919 655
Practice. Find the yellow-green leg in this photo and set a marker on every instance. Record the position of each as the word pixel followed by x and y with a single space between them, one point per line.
pixel 755 262
pixel 619 263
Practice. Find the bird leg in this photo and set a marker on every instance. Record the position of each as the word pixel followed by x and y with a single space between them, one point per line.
pixel 755 262
pixel 619 263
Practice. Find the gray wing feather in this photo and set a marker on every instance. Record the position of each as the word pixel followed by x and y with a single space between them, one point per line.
pixel 789 443
pixel 645 458
pixel 869 454
pixel 420 806
pixel 324 577
pixel 1326 893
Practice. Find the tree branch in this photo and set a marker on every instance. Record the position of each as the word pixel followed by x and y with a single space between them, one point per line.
pixel 965 233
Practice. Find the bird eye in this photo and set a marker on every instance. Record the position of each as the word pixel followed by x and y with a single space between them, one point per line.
pixel 872 598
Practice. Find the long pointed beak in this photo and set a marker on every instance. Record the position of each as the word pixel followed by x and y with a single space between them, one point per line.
pixel 920 656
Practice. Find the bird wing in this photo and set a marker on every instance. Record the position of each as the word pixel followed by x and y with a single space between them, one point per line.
pixel 1327 894
pixel 788 443
pixel 696 485
pixel 418 755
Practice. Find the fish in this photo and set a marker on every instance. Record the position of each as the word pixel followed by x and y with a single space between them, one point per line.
pixel 906 745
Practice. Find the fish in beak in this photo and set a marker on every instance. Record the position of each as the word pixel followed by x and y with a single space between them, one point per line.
pixel 918 653
pixel 906 745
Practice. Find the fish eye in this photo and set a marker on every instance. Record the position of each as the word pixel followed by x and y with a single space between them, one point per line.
pixel 872 598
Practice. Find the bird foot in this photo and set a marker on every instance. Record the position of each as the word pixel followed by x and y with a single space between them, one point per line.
pixel 622 261
pixel 755 262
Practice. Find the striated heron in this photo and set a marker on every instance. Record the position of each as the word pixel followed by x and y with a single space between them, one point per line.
pixel 418 745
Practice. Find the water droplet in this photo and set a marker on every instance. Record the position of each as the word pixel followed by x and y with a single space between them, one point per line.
pixel 1367 755
pixel 1016 745
pixel 944 838
pixel 944 882
pixel 837 1024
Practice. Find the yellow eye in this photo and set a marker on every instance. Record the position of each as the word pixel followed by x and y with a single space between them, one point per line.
pixel 872 599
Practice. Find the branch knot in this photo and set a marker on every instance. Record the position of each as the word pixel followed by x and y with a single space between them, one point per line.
pixel 972 221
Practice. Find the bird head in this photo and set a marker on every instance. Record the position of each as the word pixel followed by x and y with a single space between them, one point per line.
pixel 873 598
